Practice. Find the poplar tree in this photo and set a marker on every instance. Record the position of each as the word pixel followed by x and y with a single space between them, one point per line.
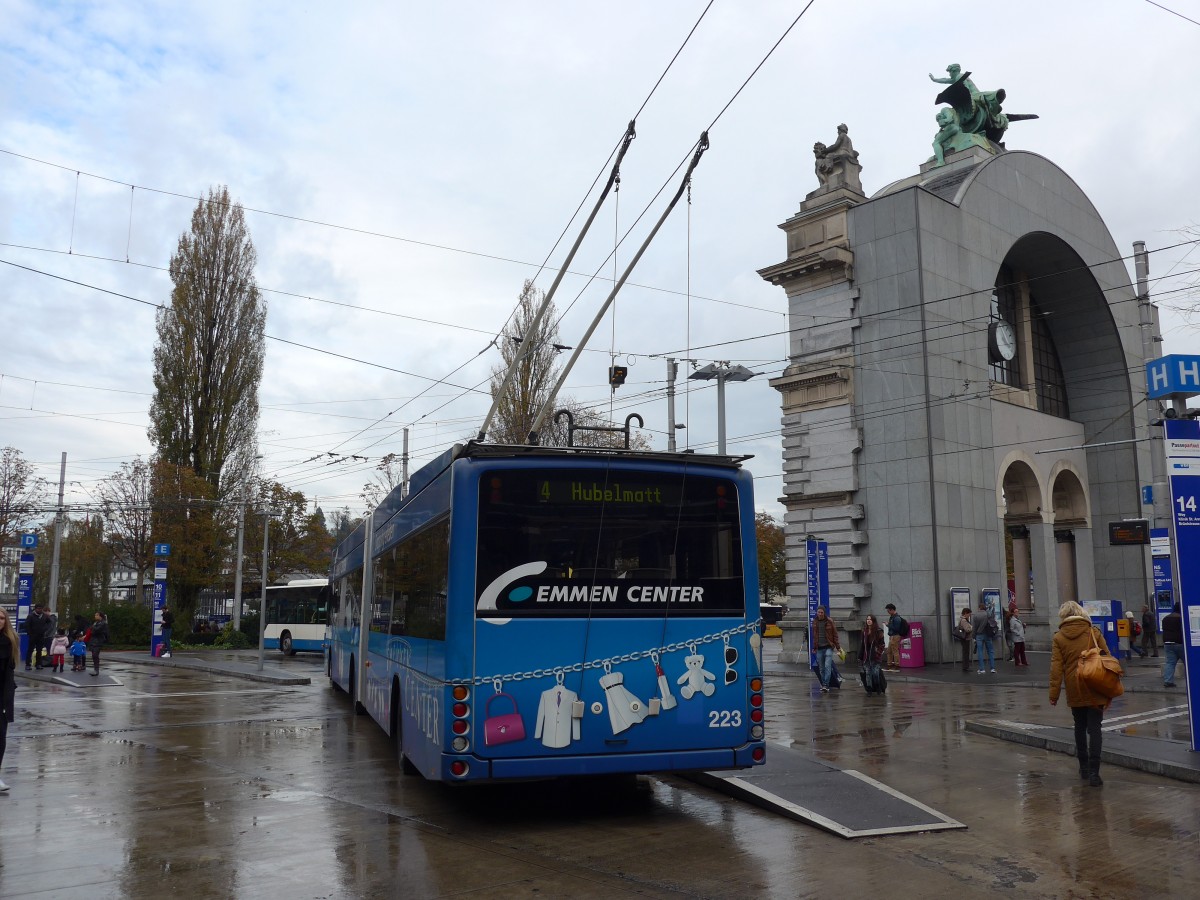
pixel 208 361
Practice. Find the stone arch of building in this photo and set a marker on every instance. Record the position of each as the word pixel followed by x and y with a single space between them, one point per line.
pixel 1068 497
pixel 1020 495
pixel 1022 503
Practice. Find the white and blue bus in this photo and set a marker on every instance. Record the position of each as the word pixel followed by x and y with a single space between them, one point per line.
pixel 534 612
pixel 297 616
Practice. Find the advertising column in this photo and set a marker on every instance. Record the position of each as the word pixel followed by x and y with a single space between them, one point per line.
pixel 161 552
pixel 29 543
pixel 1182 439
pixel 817 576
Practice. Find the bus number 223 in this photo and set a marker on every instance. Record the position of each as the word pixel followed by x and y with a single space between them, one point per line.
pixel 724 718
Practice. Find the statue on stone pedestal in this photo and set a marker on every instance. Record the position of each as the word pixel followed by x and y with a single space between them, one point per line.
pixel 976 118
pixel 837 166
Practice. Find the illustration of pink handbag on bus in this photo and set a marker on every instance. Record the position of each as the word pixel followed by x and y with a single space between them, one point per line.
pixel 504 728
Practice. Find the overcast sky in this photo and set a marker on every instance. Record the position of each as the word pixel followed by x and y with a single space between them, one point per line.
pixel 418 161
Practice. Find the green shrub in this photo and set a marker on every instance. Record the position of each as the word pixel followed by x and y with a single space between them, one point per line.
pixel 250 627
pixel 127 624
pixel 230 639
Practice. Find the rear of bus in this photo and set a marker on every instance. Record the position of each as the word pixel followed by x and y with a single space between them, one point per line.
pixel 613 626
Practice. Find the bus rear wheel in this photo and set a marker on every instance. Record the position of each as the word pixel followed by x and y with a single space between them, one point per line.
pixel 285 644
pixel 352 682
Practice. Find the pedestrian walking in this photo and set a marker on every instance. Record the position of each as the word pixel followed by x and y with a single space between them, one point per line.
pixel 1016 629
pixel 49 627
pixel 79 654
pixel 963 633
pixel 872 649
pixel 97 638
pixel 1075 634
pixel 983 626
pixel 1149 631
pixel 10 652
pixel 58 650
pixel 824 640
pixel 168 623
pixel 35 624
pixel 1130 643
pixel 897 629
pixel 1008 635
pixel 1172 632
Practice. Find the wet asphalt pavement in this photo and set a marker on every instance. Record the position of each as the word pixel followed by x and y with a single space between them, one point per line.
pixel 198 785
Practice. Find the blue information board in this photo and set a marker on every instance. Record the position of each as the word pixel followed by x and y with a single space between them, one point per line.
pixel 24 591
pixel 160 597
pixel 817 575
pixel 1182 440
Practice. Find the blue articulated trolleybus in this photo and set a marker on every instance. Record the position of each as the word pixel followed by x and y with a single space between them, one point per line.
pixel 535 612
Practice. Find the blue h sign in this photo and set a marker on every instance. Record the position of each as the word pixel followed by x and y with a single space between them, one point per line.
pixel 1174 375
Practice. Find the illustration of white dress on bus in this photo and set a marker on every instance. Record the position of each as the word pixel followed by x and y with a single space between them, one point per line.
pixel 624 709
pixel 556 726
pixel 696 679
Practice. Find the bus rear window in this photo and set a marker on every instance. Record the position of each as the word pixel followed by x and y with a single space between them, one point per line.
pixel 580 542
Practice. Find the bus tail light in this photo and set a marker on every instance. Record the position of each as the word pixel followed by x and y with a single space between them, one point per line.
pixel 756 717
pixel 460 710
pixel 461 692
pixel 460 726
pixel 459 768
pixel 758 753
pixel 460 745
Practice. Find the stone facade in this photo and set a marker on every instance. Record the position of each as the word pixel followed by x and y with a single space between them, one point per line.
pixel 923 463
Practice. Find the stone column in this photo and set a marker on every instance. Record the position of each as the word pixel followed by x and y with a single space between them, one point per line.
pixel 1020 553
pixel 1043 557
pixel 1068 585
pixel 820 435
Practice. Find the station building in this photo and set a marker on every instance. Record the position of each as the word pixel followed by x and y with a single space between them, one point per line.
pixel 958 339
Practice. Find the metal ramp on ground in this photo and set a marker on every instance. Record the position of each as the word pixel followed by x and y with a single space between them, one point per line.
pixel 69 679
pixel 841 801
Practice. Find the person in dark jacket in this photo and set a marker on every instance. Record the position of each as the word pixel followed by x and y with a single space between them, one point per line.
pixel 824 638
pixel 964 634
pixel 1075 634
pixel 10 652
pixel 895 630
pixel 35 627
pixel 1149 630
pixel 1172 644
pixel 983 626
pixel 97 638
pixel 168 624
pixel 872 650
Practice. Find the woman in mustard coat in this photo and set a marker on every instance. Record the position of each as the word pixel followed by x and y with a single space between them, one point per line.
pixel 1075 634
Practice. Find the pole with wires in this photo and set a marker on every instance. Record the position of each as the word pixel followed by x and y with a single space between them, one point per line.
pixel 527 339
pixel 701 146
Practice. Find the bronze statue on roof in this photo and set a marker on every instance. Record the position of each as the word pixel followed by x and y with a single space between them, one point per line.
pixel 975 117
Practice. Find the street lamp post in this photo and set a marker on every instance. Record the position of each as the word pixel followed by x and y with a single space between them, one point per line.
pixel 722 372
pixel 268 514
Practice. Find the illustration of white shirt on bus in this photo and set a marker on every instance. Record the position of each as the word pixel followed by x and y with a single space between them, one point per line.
pixel 555 724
